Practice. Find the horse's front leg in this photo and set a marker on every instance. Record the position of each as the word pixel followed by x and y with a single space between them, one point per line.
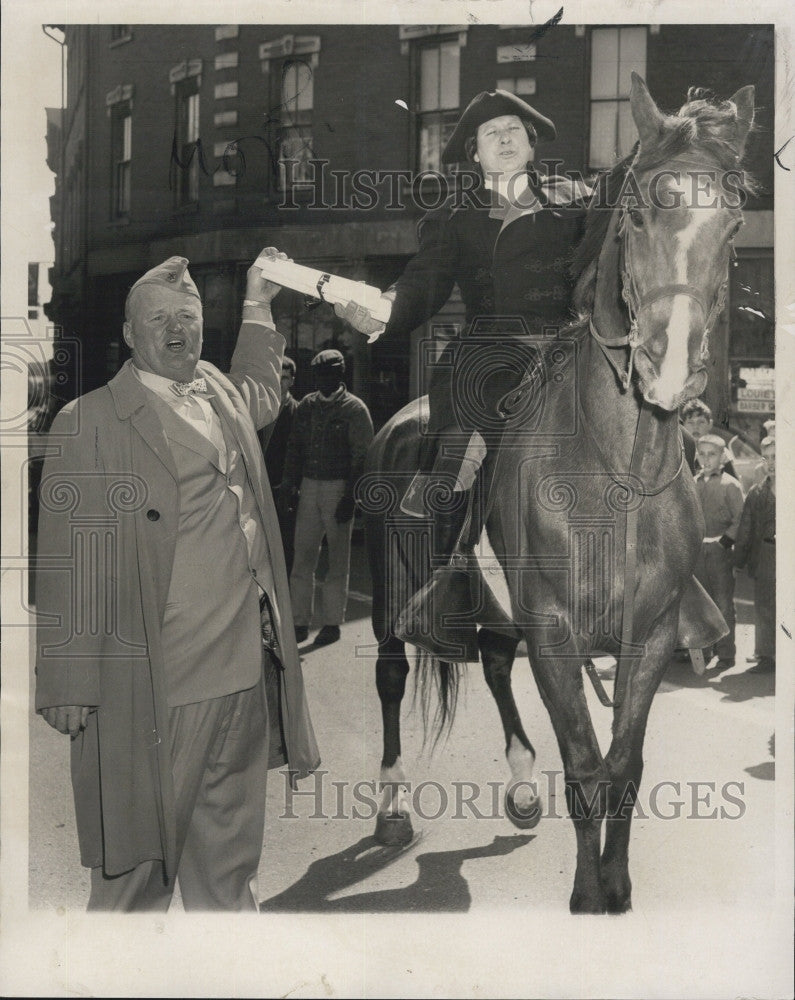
pixel 624 762
pixel 561 688
pixel 522 804
pixel 393 822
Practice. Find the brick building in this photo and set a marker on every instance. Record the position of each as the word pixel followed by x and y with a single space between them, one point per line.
pixel 212 142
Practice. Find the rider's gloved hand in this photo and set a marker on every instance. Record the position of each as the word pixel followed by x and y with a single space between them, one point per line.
pixel 361 319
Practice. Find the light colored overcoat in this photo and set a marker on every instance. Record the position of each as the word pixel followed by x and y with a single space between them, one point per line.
pixel 107 529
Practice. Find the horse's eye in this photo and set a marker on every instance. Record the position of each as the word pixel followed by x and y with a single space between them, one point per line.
pixel 636 218
pixel 735 229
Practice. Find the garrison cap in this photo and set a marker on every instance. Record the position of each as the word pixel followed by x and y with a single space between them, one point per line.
pixel 713 439
pixel 490 104
pixel 330 358
pixel 172 273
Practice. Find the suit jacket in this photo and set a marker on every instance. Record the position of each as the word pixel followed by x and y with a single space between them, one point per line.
pixel 109 512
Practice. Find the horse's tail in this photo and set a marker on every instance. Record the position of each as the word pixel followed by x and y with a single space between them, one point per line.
pixel 437 684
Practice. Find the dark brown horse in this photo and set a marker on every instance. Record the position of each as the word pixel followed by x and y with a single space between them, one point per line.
pixel 592 514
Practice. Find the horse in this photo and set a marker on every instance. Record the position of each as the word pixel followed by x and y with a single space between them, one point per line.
pixel 591 511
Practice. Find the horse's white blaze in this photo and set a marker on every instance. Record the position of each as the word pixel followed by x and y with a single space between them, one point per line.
pixel 394 797
pixel 521 762
pixel 674 368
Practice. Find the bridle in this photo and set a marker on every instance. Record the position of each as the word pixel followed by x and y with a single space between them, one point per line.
pixel 636 303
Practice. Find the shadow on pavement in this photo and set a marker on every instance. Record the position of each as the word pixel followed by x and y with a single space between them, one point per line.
pixel 680 674
pixel 440 887
pixel 744 686
pixel 765 772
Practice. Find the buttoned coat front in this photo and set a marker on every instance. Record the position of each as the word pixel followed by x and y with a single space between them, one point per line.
pixel 110 510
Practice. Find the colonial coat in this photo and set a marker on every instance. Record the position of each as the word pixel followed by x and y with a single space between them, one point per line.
pixel 508 261
pixel 109 515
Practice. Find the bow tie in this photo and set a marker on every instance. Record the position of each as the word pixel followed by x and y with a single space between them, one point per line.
pixel 185 388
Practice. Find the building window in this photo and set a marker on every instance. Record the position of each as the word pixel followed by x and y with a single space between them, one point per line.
pixel 295 102
pixel 615 54
pixel 121 156
pixel 187 142
pixel 522 86
pixel 438 101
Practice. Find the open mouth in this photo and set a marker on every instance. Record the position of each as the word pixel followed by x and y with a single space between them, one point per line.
pixel 176 344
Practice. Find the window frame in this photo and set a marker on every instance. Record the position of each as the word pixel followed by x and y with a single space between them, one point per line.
pixel 618 100
pixel 283 118
pixel 447 117
pixel 120 113
pixel 189 150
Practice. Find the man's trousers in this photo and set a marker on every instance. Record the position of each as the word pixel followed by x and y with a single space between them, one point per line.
pixel 714 570
pixel 219 757
pixel 315 518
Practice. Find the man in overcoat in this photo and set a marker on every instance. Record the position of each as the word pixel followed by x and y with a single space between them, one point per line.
pixel 506 242
pixel 162 600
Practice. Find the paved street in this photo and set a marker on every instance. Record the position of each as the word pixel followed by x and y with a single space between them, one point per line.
pixel 716 730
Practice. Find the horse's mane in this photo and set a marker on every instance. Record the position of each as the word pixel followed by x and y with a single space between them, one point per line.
pixel 704 125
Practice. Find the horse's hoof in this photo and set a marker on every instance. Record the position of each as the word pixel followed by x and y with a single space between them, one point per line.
pixel 393 829
pixel 523 818
pixel 580 905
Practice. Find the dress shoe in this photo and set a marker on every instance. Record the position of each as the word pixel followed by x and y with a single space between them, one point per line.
pixel 766 665
pixel 724 663
pixel 301 633
pixel 327 635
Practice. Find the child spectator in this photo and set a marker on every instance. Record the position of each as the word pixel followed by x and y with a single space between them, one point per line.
pixel 696 418
pixel 721 499
pixel 755 550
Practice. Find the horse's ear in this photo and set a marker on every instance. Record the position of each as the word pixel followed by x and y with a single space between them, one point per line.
pixel 647 116
pixel 743 100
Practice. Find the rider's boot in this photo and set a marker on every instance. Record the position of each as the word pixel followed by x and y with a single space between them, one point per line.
pixel 440 617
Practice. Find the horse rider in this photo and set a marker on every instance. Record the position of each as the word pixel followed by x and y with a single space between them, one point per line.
pixel 505 242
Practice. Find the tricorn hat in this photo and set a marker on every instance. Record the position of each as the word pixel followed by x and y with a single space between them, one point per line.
pixel 493 104
pixel 172 273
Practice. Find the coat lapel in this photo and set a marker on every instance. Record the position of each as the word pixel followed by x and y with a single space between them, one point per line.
pixel 132 403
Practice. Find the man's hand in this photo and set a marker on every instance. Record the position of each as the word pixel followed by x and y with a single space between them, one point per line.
pixel 67 718
pixel 361 319
pixel 259 289
pixel 345 509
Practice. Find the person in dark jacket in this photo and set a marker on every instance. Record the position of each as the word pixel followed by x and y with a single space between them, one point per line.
pixel 273 439
pixel 331 433
pixel 506 244
pixel 755 550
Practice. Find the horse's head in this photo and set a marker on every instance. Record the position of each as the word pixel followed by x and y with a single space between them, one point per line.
pixel 679 214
